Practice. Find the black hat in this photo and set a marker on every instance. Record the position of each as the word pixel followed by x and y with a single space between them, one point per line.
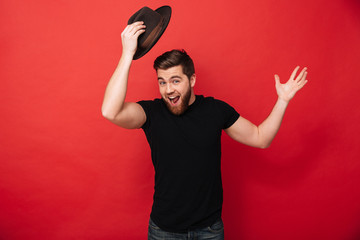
pixel 155 22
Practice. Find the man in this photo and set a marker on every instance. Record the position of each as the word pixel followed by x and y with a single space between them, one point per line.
pixel 184 134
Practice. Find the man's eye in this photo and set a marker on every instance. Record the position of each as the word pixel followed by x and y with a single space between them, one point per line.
pixel 162 83
pixel 176 81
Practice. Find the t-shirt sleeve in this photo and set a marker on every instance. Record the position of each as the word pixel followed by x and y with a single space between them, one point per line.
pixel 147 106
pixel 228 114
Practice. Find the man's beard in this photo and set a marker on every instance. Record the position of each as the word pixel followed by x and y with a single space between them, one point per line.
pixel 178 110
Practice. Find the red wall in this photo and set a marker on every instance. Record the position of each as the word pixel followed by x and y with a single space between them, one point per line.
pixel 67 173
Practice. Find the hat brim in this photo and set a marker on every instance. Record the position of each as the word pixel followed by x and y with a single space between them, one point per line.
pixel 165 12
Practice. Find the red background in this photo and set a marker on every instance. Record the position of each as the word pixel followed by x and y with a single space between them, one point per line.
pixel 67 173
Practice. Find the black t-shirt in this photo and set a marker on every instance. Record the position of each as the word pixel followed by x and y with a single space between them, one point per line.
pixel 186 153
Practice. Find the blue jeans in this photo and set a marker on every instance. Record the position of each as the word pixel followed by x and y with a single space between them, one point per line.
pixel 213 232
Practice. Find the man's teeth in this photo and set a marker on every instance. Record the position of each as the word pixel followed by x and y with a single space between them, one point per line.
pixel 174 99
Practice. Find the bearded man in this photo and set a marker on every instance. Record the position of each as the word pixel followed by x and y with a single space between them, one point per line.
pixel 184 134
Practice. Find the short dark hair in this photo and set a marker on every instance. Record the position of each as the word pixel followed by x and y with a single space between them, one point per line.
pixel 174 58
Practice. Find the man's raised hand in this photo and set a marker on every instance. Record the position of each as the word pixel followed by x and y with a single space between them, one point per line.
pixel 288 90
pixel 130 36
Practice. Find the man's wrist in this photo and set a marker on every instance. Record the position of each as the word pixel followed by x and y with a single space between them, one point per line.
pixel 283 101
pixel 126 58
pixel 127 55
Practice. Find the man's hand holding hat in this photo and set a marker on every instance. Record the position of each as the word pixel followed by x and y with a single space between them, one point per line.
pixel 129 37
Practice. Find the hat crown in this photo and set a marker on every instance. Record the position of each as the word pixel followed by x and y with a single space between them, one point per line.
pixel 151 20
pixel 150 17
pixel 155 22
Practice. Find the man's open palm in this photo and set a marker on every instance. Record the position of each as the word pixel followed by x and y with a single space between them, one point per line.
pixel 288 90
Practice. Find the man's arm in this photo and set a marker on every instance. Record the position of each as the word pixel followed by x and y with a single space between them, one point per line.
pixel 114 108
pixel 261 136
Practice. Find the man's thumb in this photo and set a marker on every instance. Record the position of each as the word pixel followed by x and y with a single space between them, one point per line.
pixel 277 79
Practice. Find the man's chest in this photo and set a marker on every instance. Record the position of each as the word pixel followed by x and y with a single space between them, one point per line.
pixel 200 130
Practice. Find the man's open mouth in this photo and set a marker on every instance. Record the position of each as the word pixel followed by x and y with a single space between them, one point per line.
pixel 174 99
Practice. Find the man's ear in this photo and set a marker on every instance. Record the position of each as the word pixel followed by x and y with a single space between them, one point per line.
pixel 192 80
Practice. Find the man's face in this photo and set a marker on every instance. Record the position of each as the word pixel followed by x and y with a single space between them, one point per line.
pixel 176 89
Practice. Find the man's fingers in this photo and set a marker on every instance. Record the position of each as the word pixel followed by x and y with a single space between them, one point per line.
pixel 134 27
pixel 294 72
pixel 136 24
pixel 303 78
pixel 137 28
pixel 139 32
pixel 301 75
pixel 302 84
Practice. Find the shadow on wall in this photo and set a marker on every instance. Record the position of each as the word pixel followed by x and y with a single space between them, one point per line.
pixel 354 7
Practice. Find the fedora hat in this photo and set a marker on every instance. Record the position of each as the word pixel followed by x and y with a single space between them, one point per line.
pixel 155 22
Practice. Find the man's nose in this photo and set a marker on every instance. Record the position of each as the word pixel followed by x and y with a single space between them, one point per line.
pixel 169 88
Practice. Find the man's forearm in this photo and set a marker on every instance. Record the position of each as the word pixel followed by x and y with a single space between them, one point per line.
pixel 261 136
pixel 116 89
pixel 271 125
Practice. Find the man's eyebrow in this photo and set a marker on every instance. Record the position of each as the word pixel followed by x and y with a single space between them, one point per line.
pixel 172 77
